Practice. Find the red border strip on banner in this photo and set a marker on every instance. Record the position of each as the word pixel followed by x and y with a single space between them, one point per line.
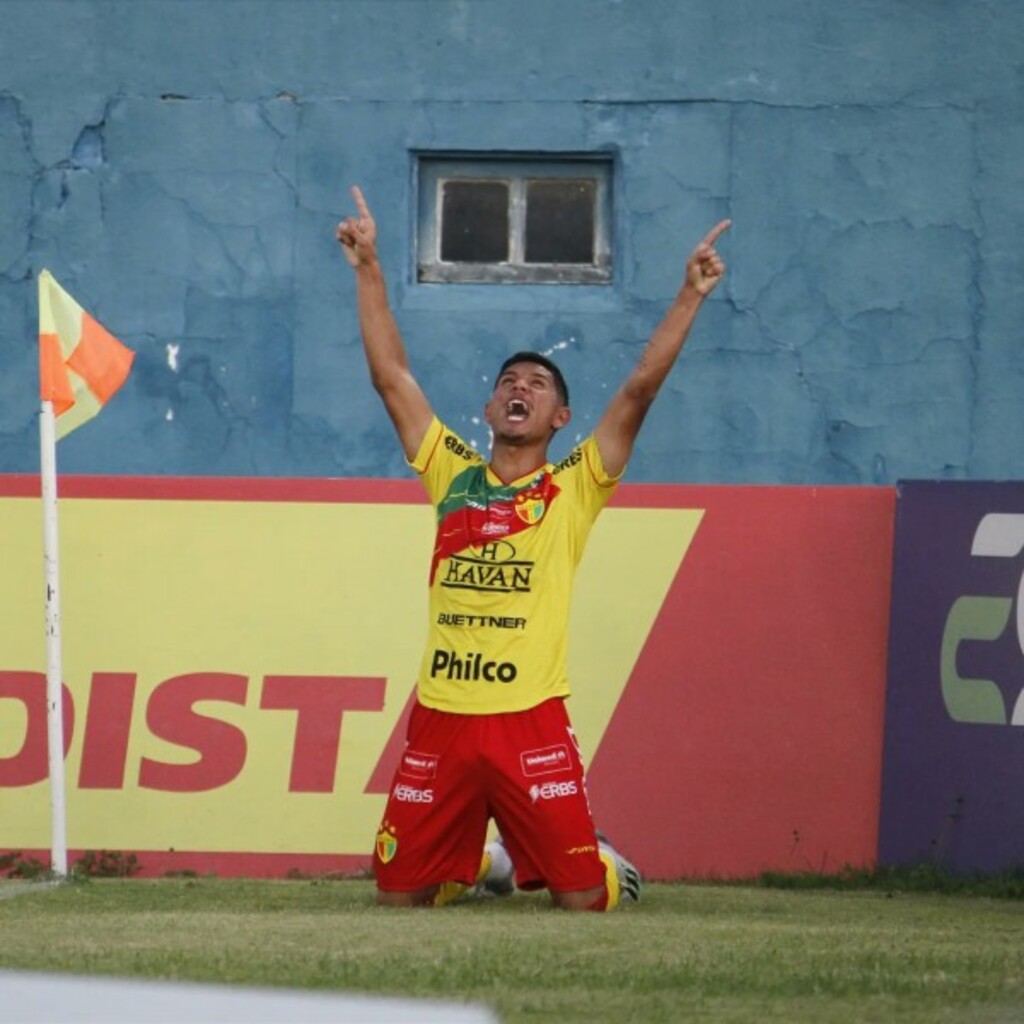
pixel 359 490
pixel 163 863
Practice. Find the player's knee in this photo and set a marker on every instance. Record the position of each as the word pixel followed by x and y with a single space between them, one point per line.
pixel 601 898
pixel 584 899
pixel 416 898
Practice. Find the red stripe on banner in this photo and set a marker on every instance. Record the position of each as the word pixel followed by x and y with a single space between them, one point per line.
pixel 749 736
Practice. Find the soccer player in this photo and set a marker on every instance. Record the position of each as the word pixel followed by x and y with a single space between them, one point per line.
pixel 489 736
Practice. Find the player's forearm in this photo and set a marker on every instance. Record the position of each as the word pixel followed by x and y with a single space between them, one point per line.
pixel 382 341
pixel 664 346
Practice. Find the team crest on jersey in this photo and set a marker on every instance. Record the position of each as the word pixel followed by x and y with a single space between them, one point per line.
pixel 530 508
pixel 474 511
pixel 387 844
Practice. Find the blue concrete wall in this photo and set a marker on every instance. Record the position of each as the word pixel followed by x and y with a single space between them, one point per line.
pixel 179 166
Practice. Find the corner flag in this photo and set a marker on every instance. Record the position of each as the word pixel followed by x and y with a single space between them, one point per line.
pixel 81 364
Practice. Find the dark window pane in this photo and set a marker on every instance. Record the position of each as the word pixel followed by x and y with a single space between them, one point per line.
pixel 560 221
pixel 474 222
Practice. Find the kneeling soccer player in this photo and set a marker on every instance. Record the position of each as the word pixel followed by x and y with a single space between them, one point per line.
pixel 489 737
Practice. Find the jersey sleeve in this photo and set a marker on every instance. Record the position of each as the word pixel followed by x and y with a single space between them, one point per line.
pixel 595 464
pixel 583 473
pixel 442 456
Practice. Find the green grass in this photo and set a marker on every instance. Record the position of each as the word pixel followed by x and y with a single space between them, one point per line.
pixel 688 952
pixel 925 877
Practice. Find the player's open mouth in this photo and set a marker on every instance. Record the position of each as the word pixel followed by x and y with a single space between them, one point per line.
pixel 517 410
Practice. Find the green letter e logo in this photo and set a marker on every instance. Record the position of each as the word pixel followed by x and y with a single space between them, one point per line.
pixel 999 535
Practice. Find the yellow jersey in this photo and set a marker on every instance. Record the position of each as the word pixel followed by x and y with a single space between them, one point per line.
pixel 501 575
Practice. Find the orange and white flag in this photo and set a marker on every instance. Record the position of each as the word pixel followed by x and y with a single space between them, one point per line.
pixel 81 364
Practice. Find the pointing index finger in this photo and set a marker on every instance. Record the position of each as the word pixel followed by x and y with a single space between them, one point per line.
pixel 712 236
pixel 357 195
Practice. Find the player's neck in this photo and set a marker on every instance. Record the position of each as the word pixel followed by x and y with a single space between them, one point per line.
pixel 510 462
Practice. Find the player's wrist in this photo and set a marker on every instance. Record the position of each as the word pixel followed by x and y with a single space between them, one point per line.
pixel 367 264
pixel 689 296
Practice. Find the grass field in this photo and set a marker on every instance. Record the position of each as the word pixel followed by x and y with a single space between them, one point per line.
pixel 686 953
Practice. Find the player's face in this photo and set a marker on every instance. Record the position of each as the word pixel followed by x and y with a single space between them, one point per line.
pixel 526 404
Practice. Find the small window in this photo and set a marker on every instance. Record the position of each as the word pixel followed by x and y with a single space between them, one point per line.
pixel 514 220
pixel 474 221
pixel 560 219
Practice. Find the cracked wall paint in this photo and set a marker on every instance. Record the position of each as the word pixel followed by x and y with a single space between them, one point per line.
pixel 183 180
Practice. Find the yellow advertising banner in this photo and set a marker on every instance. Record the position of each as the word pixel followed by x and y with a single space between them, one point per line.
pixel 236 669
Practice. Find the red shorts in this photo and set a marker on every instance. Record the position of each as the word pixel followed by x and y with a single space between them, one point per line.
pixel 457 771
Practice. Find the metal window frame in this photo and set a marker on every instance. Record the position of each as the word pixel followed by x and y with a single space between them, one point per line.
pixel 432 170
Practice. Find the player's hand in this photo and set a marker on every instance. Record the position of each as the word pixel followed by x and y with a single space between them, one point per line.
pixel 358 235
pixel 705 268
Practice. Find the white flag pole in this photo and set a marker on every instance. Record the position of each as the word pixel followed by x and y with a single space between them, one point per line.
pixel 54 671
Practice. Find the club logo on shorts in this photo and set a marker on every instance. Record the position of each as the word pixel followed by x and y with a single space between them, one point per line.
pixel 387 844
pixel 545 760
pixel 552 790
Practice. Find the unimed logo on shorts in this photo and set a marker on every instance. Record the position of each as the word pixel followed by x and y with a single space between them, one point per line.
pixel 419 766
pixel 545 760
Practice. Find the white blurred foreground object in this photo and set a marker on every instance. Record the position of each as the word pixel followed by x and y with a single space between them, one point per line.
pixel 36 997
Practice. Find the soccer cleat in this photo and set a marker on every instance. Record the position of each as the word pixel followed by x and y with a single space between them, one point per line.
pixel 449 892
pixel 622 878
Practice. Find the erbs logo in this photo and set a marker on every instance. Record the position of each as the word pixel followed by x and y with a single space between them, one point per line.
pixel 574 458
pixel 411 795
pixel 457 447
pixel 984 618
pixel 552 790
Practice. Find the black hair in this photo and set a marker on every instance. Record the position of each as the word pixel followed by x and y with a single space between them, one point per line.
pixel 536 357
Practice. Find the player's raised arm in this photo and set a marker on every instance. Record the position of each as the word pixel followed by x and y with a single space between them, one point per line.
pixel 618 427
pixel 385 354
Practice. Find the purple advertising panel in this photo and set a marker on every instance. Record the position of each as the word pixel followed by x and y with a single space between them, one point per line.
pixel 953 768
